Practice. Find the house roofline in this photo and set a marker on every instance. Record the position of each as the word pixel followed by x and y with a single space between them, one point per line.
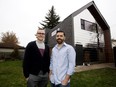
pixel 95 12
pixel 10 46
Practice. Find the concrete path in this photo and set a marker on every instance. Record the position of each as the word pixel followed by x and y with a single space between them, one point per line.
pixel 94 66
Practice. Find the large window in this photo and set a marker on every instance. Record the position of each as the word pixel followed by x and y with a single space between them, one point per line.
pixel 89 26
pixel 94 37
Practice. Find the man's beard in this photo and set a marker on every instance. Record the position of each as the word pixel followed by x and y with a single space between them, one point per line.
pixel 60 41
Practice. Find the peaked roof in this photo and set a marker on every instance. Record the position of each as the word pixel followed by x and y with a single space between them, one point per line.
pixel 10 46
pixel 96 14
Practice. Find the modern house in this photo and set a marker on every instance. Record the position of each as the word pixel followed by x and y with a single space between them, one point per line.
pixel 88 32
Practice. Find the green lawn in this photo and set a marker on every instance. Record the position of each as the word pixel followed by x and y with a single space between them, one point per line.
pixel 11 76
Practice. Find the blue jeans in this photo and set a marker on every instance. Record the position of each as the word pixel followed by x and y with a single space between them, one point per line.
pixel 60 85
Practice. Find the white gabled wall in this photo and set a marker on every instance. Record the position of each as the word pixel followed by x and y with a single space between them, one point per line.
pixel 81 36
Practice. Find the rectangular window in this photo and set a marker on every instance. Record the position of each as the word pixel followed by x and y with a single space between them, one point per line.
pixel 82 24
pixel 89 26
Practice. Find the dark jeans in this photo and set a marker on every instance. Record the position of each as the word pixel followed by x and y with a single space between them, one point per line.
pixel 37 81
pixel 60 85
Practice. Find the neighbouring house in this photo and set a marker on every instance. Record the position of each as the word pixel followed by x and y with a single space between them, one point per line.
pixel 113 43
pixel 7 49
pixel 114 49
pixel 88 32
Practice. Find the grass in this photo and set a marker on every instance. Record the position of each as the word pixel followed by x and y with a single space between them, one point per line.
pixel 105 77
pixel 11 76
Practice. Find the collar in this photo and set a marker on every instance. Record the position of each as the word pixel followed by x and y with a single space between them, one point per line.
pixel 64 44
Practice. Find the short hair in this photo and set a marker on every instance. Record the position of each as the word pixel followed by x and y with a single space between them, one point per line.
pixel 40 28
pixel 61 32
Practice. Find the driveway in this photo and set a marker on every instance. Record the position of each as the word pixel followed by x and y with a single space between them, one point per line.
pixel 94 66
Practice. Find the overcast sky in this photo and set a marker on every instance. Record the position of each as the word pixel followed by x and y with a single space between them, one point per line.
pixel 24 16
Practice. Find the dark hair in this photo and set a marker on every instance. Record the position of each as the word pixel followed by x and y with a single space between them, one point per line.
pixel 61 32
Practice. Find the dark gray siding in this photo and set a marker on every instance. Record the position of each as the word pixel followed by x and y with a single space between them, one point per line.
pixel 67 27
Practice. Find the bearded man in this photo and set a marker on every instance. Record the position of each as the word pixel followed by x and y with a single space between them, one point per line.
pixel 62 62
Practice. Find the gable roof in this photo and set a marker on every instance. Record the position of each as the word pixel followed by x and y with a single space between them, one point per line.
pixel 96 14
pixel 10 46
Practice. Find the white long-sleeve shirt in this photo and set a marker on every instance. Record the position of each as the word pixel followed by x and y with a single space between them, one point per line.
pixel 62 62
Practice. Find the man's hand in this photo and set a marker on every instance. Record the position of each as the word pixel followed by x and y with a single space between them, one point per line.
pixel 27 79
pixel 50 73
pixel 65 81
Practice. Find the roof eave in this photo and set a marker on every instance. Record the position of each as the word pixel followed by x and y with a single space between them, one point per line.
pixel 96 14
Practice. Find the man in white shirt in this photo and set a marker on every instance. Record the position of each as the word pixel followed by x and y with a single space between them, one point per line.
pixel 62 62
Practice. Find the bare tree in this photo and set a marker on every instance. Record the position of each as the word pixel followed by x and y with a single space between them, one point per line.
pixel 9 38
